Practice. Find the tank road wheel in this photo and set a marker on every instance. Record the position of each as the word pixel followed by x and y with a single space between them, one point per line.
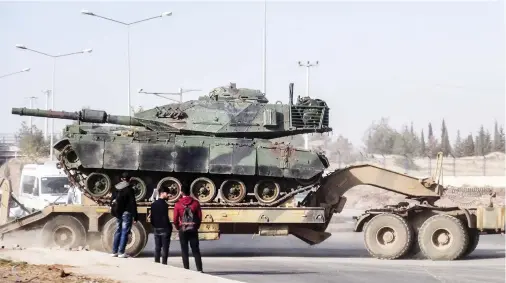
pixel 388 236
pixel 98 184
pixel 267 191
pixel 474 239
pixel 63 231
pixel 443 237
pixel 140 188
pixel 233 191
pixel 174 187
pixel 136 240
pixel 203 189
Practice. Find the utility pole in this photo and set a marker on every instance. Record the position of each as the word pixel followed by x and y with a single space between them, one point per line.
pixel 307 65
pixel 31 106
pixel 265 49
pixel 47 93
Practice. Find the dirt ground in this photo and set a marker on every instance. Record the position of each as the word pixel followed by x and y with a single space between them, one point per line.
pixel 11 271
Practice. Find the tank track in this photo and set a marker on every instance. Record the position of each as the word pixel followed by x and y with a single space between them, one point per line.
pixel 77 179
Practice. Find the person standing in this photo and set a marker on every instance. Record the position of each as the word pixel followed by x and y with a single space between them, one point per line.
pixel 187 220
pixel 160 221
pixel 124 208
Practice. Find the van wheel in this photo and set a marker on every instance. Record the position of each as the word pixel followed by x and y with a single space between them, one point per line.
pixel 63 231
pixel 136 242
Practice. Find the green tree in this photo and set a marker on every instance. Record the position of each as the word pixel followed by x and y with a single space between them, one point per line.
pixel 481 143
pixel 342 150
pixel 432 143
pixel 445 140
pixel 458 147
pixel 406 143
pixel 497 138
pixel 380 137
pixel 487 143
pixel 423 148
pixel 469 146
pixel 31 142
pixel 501 146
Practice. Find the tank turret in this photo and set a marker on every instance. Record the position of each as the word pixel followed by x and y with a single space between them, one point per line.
pixel 226 112
pixel 218 143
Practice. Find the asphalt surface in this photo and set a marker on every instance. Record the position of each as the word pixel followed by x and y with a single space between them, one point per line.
pixel 341 258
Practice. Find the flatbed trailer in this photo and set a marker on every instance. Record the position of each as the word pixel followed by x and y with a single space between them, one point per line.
pixel 391 232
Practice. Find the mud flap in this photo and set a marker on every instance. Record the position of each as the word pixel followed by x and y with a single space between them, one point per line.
pixel 309 236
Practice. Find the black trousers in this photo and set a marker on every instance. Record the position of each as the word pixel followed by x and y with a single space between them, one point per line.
pixel 191 238
pixel 162 243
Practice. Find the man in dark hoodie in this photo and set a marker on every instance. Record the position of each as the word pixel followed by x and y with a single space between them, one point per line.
pixel 160 221
pixel 187 219
pixel 125 210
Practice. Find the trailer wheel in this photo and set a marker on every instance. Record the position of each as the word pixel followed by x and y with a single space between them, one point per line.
pixel 63 231
pixel 474 239
pixel 388 236
pixel 136 240
pixel 443 237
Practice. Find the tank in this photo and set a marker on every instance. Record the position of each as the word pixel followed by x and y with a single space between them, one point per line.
pixel 219 145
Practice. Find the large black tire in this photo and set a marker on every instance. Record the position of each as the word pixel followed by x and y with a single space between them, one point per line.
pixel 137 239
pixel 388 236
pixel 474 239
pixel 63 231
pixel 443 237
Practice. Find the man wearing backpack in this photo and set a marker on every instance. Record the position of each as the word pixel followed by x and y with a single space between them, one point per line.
pixel 124 208
pixel 187 219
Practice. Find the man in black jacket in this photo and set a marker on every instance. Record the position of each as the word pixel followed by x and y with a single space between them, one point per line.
pixel 125 210
pixel 159 218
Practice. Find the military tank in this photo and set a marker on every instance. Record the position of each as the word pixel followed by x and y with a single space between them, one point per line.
pixel 219 145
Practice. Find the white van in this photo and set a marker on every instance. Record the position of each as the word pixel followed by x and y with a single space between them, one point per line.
pixel 44 184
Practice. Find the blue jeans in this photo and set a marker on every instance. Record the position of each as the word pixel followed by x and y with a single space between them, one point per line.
pixel 123 227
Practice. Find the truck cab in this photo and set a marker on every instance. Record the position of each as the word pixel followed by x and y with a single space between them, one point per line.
pixel 44 184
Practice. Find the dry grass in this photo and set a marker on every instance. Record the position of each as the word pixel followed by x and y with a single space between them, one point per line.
pixel 11 271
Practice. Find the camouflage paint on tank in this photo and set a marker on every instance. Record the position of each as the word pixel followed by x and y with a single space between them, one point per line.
pixel 220 136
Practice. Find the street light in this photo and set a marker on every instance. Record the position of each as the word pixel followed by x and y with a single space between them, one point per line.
pixel 32 98
pixel 164 14
pixel 20 46
pixel 307 65
pixel 179 93
pixel 47 93
pixel 265 49
pixel 22 71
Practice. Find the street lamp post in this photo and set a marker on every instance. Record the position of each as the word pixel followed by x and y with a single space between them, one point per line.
pixel 47 93
pixel 179 93
pixel 164 14
pixel 31 106
pixel 265 49
pixel 22 71
pixel 20 46
pixel 307 65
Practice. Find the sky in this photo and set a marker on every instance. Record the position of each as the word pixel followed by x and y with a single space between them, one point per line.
pixel 410 61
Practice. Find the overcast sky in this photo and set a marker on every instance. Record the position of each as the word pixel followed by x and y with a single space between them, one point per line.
pixel 419 62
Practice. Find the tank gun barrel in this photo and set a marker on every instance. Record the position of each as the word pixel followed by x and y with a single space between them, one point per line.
pixel 85 115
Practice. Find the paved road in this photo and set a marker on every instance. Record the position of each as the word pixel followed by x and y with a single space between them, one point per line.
pixel 342 258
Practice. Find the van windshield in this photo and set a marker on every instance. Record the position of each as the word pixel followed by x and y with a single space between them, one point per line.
pixel 54 185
